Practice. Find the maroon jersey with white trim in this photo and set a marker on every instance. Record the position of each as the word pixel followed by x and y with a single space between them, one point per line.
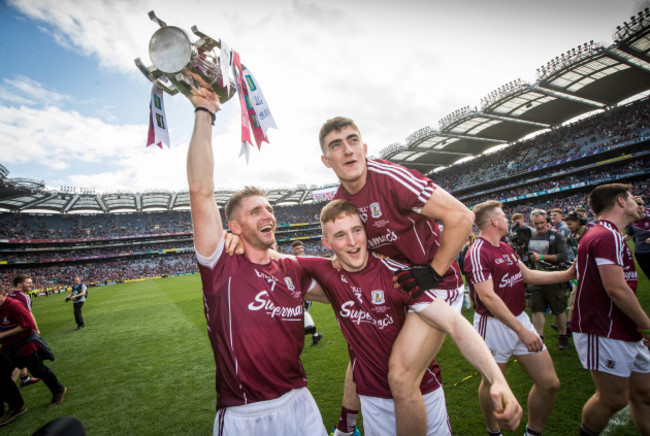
pixel 484 261
pixel 390 205
pixel 254 315
pixel 594 311
pixel 370 312
pixel 20 296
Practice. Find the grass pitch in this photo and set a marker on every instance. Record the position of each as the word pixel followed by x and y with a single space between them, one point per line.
pixel 144 366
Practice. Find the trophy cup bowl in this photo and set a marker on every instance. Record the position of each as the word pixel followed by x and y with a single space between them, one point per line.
pixel 176 59
pixel 170 49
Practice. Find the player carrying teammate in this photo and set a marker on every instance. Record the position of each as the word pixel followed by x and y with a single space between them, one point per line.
pixel 370 312
pixel 399 208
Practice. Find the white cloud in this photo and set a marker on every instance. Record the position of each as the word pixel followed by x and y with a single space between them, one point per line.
pixel 25 91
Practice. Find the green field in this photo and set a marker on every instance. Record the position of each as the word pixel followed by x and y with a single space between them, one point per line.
pixel 144 367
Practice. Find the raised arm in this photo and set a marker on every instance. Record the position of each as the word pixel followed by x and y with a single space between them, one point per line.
pixel 206 220
pixel 457 221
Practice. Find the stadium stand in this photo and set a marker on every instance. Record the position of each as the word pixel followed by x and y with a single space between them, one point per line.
pixel 543 160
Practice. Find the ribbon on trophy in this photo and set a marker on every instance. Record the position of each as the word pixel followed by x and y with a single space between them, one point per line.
pixel 158 133
pixel 255 112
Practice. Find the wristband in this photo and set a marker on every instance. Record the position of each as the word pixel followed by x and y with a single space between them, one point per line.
pixel 201 108
pixel 645 331
pixel 542 257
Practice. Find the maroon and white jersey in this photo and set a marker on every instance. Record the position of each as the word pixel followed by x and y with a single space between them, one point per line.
pixel 484 261
pixel 594 311
pixel 14 314
pixel 19 296
pixel 390 205
pixel 370 312
pixel 254 315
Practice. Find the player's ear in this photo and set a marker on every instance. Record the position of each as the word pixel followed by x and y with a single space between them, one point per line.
pixel 325 161
pixel 365 149
pixel 324 241
pixel 234 227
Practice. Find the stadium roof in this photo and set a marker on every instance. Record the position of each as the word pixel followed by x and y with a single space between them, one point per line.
pixel 584 79
pixel 589 77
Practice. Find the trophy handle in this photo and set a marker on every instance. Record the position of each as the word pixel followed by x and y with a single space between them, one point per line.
pixel 158 21
pixel 155 76
pixel 209 42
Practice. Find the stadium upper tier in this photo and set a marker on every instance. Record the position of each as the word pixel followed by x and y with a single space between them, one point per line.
pixel 586 78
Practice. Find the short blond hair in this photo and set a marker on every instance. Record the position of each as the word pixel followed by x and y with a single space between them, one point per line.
pixel 483 212
pixel 334 209
pixel 235 200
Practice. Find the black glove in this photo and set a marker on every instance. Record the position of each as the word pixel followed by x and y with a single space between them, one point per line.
pixel 417 279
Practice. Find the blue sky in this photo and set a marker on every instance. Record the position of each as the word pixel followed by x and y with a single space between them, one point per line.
pixel 74 109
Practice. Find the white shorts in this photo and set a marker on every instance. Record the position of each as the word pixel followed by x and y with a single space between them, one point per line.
pixel 294 413
pixel 612 356
pixel 379 415
pixel 502 341
pixel 454 298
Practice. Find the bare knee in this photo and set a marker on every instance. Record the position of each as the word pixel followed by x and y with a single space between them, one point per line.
pixel 552 386
pixel 403 382
pixel 614 402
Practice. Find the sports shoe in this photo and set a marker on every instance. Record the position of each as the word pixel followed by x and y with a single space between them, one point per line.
pixel 563 342
pixel 11 415
pixel 336 432
pixel 28 381
pixel 57 399
pixel 315 339
pixel 554 327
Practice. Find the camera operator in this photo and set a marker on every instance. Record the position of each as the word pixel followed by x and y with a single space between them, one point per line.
pixel 520 235
pixel 547 251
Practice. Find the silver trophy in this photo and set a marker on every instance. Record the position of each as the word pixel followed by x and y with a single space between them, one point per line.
pixel 175 56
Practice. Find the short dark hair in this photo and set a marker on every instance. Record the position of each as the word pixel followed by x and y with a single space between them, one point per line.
pixel 603 198
pixel 334 125
pixel 482 212
pixel 20 278
pixel 517 216
pixel 237 197
pixel 297 244
pixel 334 209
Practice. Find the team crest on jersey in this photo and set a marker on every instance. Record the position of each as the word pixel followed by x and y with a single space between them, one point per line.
pixel 5 321
pixel 289 283
pixel 498 260
pixel 343 279
pixel 375 210
pixel 610 364
pixel 377 297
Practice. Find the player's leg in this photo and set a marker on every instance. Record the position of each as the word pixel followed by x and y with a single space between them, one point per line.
pixel 538 307
pixel 546 384
pixel 350 406
pixel 640 389
pixel 612 394
pixel 640 401
pixel 415 347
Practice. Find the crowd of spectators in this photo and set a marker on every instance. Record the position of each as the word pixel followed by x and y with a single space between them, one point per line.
pixel 593 176
pixel 600 132
pixel 105 272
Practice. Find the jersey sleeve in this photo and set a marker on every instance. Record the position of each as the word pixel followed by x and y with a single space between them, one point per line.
pixel 409 188
pixel 477 264
pixel 305 278
pixel 214 269
pixel 608 249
